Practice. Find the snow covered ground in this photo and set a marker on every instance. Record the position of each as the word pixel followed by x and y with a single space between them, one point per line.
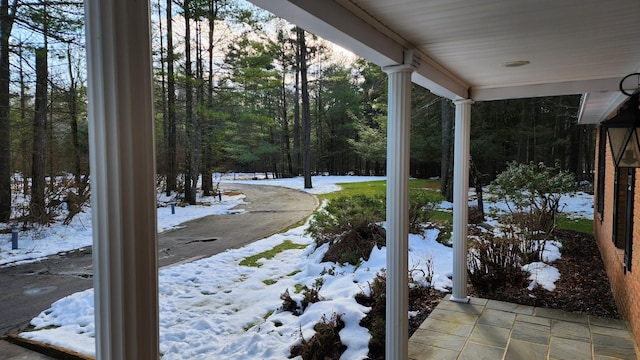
pixel 208 308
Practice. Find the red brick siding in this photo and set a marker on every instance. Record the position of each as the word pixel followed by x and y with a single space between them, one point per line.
pixel 625 287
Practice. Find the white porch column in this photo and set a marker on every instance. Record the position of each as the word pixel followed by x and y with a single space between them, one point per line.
pixel 398 135
pixel 121 139
pixel 461 198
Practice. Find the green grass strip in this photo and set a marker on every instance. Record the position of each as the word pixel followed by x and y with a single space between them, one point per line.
pixel 377 188
pixel 252 261
pixel 579 225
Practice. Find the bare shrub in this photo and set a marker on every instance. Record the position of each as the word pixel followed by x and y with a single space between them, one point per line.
pixel 325 343
pixel 494 262
pixel 288 304
pixel 356 244
pixel 312 295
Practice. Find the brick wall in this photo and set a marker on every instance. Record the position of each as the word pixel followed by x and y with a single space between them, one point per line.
pixel 625 287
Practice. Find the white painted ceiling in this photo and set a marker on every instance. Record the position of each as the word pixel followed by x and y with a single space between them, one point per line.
pixel 573 46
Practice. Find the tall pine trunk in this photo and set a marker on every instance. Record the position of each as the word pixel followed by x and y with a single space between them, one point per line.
pixel 446 168
pixel 170 164
pixel 197 121
pixel 297 152
pixel 24 141
pixel 189 187
pixel 285 120
pixel 72 103
pixel 37 204
pixel 208 153
pixel 163 94
pixel 6 23
pixel 306 111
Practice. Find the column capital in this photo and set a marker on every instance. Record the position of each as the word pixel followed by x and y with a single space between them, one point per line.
pixel 463 101
pixel 410 62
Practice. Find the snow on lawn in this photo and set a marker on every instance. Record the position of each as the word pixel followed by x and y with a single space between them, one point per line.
pixel 209 308
pixel 42 241
pixel 217 308
pixel 578 205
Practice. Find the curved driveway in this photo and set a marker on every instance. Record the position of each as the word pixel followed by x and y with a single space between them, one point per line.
pixel 27 290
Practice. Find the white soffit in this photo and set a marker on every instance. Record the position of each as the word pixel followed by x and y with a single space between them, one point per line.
pixel 572 46
pixel 596 107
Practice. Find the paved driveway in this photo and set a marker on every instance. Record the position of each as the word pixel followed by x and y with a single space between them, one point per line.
pixel 27 290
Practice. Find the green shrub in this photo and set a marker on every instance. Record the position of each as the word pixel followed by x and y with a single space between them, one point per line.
pixel 349 224
pixel 347 212
pixel 444 236
pixel 532 193
pixel 421 206
pixel 534 189
pixel 344 213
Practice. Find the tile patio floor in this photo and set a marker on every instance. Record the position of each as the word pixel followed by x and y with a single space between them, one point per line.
pixel 496 330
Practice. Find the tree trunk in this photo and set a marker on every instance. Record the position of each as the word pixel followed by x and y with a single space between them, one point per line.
pixel 72 103
pixel 189 188
pixel 446 172
pixel 37 205
pixel 163 90
pixel 285 120
pixel 207 148
pixel 170 164
pixel 296 116
pixel 196 132
pixel 527 119
pixel 574 150
pixel 49 158
pixel 6 23
pixel 306 111
pixel 24 141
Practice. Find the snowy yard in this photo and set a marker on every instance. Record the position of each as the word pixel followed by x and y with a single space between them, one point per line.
pixel 208 308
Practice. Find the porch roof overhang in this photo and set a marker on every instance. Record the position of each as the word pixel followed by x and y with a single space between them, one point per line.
pixel 573 47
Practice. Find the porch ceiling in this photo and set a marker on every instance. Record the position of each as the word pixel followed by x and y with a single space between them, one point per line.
pixel 573 46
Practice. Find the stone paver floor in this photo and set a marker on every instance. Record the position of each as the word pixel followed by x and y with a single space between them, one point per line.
pixel 496 330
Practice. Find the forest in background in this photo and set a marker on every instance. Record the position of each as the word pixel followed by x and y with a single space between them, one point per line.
pixel 252 94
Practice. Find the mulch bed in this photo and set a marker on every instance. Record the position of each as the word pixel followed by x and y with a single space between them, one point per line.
pixel 583 286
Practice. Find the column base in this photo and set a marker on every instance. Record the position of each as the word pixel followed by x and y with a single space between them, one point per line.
pixel 464 300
